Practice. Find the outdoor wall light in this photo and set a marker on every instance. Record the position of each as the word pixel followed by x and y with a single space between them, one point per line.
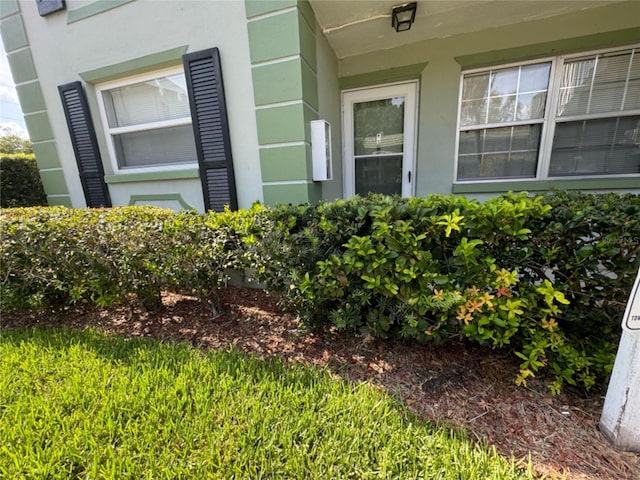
pixel 402 16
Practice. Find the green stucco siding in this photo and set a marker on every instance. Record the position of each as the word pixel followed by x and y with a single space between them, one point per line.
pixel 283 57
pixel 274 37
pixel 31 99
pixel 8 7
pixel 94 8
pixel 260 7
pixel 46 155
pixel 14 36
pixel 22 67
pixel 294 194
pixel 38 126
pixel 283 163
pixel 53 182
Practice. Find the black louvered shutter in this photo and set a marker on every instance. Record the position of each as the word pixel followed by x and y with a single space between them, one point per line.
pixel 85 144
pixel 211 128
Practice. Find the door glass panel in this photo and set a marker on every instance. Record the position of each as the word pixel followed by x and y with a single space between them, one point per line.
pixel 378 139
pixel 376 174
pixel 378 126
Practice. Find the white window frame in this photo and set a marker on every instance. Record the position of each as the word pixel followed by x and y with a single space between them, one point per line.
pixel 109 132
pixel 548 121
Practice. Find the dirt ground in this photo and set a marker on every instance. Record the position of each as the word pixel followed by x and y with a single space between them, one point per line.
pixel 459 384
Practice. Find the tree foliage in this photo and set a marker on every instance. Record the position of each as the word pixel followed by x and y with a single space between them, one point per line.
pixel 12 142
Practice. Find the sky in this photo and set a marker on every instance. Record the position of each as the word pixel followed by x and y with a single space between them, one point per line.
pixel 10 113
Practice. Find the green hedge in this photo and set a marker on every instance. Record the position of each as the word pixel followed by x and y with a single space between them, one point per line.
pixel 58 256
pixel 20 184
pixel 546 277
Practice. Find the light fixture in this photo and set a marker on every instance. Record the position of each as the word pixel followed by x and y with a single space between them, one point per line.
pixel 402 16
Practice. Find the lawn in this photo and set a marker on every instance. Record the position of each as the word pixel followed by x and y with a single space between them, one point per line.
pixel 82 404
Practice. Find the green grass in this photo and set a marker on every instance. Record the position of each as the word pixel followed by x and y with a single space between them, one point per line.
pixel 84 405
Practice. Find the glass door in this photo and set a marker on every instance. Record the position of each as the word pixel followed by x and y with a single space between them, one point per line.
pixel 379 138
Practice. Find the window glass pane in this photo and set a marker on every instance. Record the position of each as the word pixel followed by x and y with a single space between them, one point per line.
pixel 573 101
pixel 471 142
pixel 163 98
pixel 475 86
pixel 504 82
pixel 609 83
pixel 535 78
pixel 502 109
pixel 600 84
pixel 596 147
pixel 162 146
pixel 473 112
pixel 525 137
pixel 505 95
pixel 469 167
pixel 497 139
pixel 499 153
pixel 378 126
pixel 632 99
pixel 496 166
pixel 575 86
pixel 531 106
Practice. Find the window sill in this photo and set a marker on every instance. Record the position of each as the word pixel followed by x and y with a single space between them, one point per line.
pixel 545 185
pixel 183 174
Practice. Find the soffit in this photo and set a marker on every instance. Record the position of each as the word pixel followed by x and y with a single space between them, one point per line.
pixel 354 27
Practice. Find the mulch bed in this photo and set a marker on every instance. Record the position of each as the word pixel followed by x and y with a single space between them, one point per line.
pixel 459 384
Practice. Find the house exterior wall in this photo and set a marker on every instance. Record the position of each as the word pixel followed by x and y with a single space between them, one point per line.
pixel 100 41
pixel 282 39
pixel 330 110
pixel 438 65
pixel 280 73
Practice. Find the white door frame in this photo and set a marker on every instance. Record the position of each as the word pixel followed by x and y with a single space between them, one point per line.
pixel 349 97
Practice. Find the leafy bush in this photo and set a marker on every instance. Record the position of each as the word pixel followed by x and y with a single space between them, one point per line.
pixel 20 184
pixel 58 256
pixel 547 277
pixel 506 272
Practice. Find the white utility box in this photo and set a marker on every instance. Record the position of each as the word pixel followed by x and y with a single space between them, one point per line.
pixel 321 150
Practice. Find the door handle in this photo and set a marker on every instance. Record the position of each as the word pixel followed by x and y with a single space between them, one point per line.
pixel 409 175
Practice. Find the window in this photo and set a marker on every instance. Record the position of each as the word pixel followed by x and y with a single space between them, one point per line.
pixel 558 118
pixel 148 121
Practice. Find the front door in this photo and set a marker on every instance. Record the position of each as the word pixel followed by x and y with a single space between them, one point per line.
pixel 379 139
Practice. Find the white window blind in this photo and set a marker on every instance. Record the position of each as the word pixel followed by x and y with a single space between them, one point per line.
pixel 594 133
pixel 149 122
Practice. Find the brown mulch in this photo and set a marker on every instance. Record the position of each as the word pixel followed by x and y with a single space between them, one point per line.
pixel 458 384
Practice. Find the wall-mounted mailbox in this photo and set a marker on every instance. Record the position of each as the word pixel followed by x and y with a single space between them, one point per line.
pixel 321 150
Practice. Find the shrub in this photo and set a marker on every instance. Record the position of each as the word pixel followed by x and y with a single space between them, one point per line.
pixel 505 272
pixel 547 277
pixel 20 184
pixel 58 256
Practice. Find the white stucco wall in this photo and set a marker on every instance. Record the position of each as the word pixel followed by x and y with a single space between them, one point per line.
pixel 137 29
